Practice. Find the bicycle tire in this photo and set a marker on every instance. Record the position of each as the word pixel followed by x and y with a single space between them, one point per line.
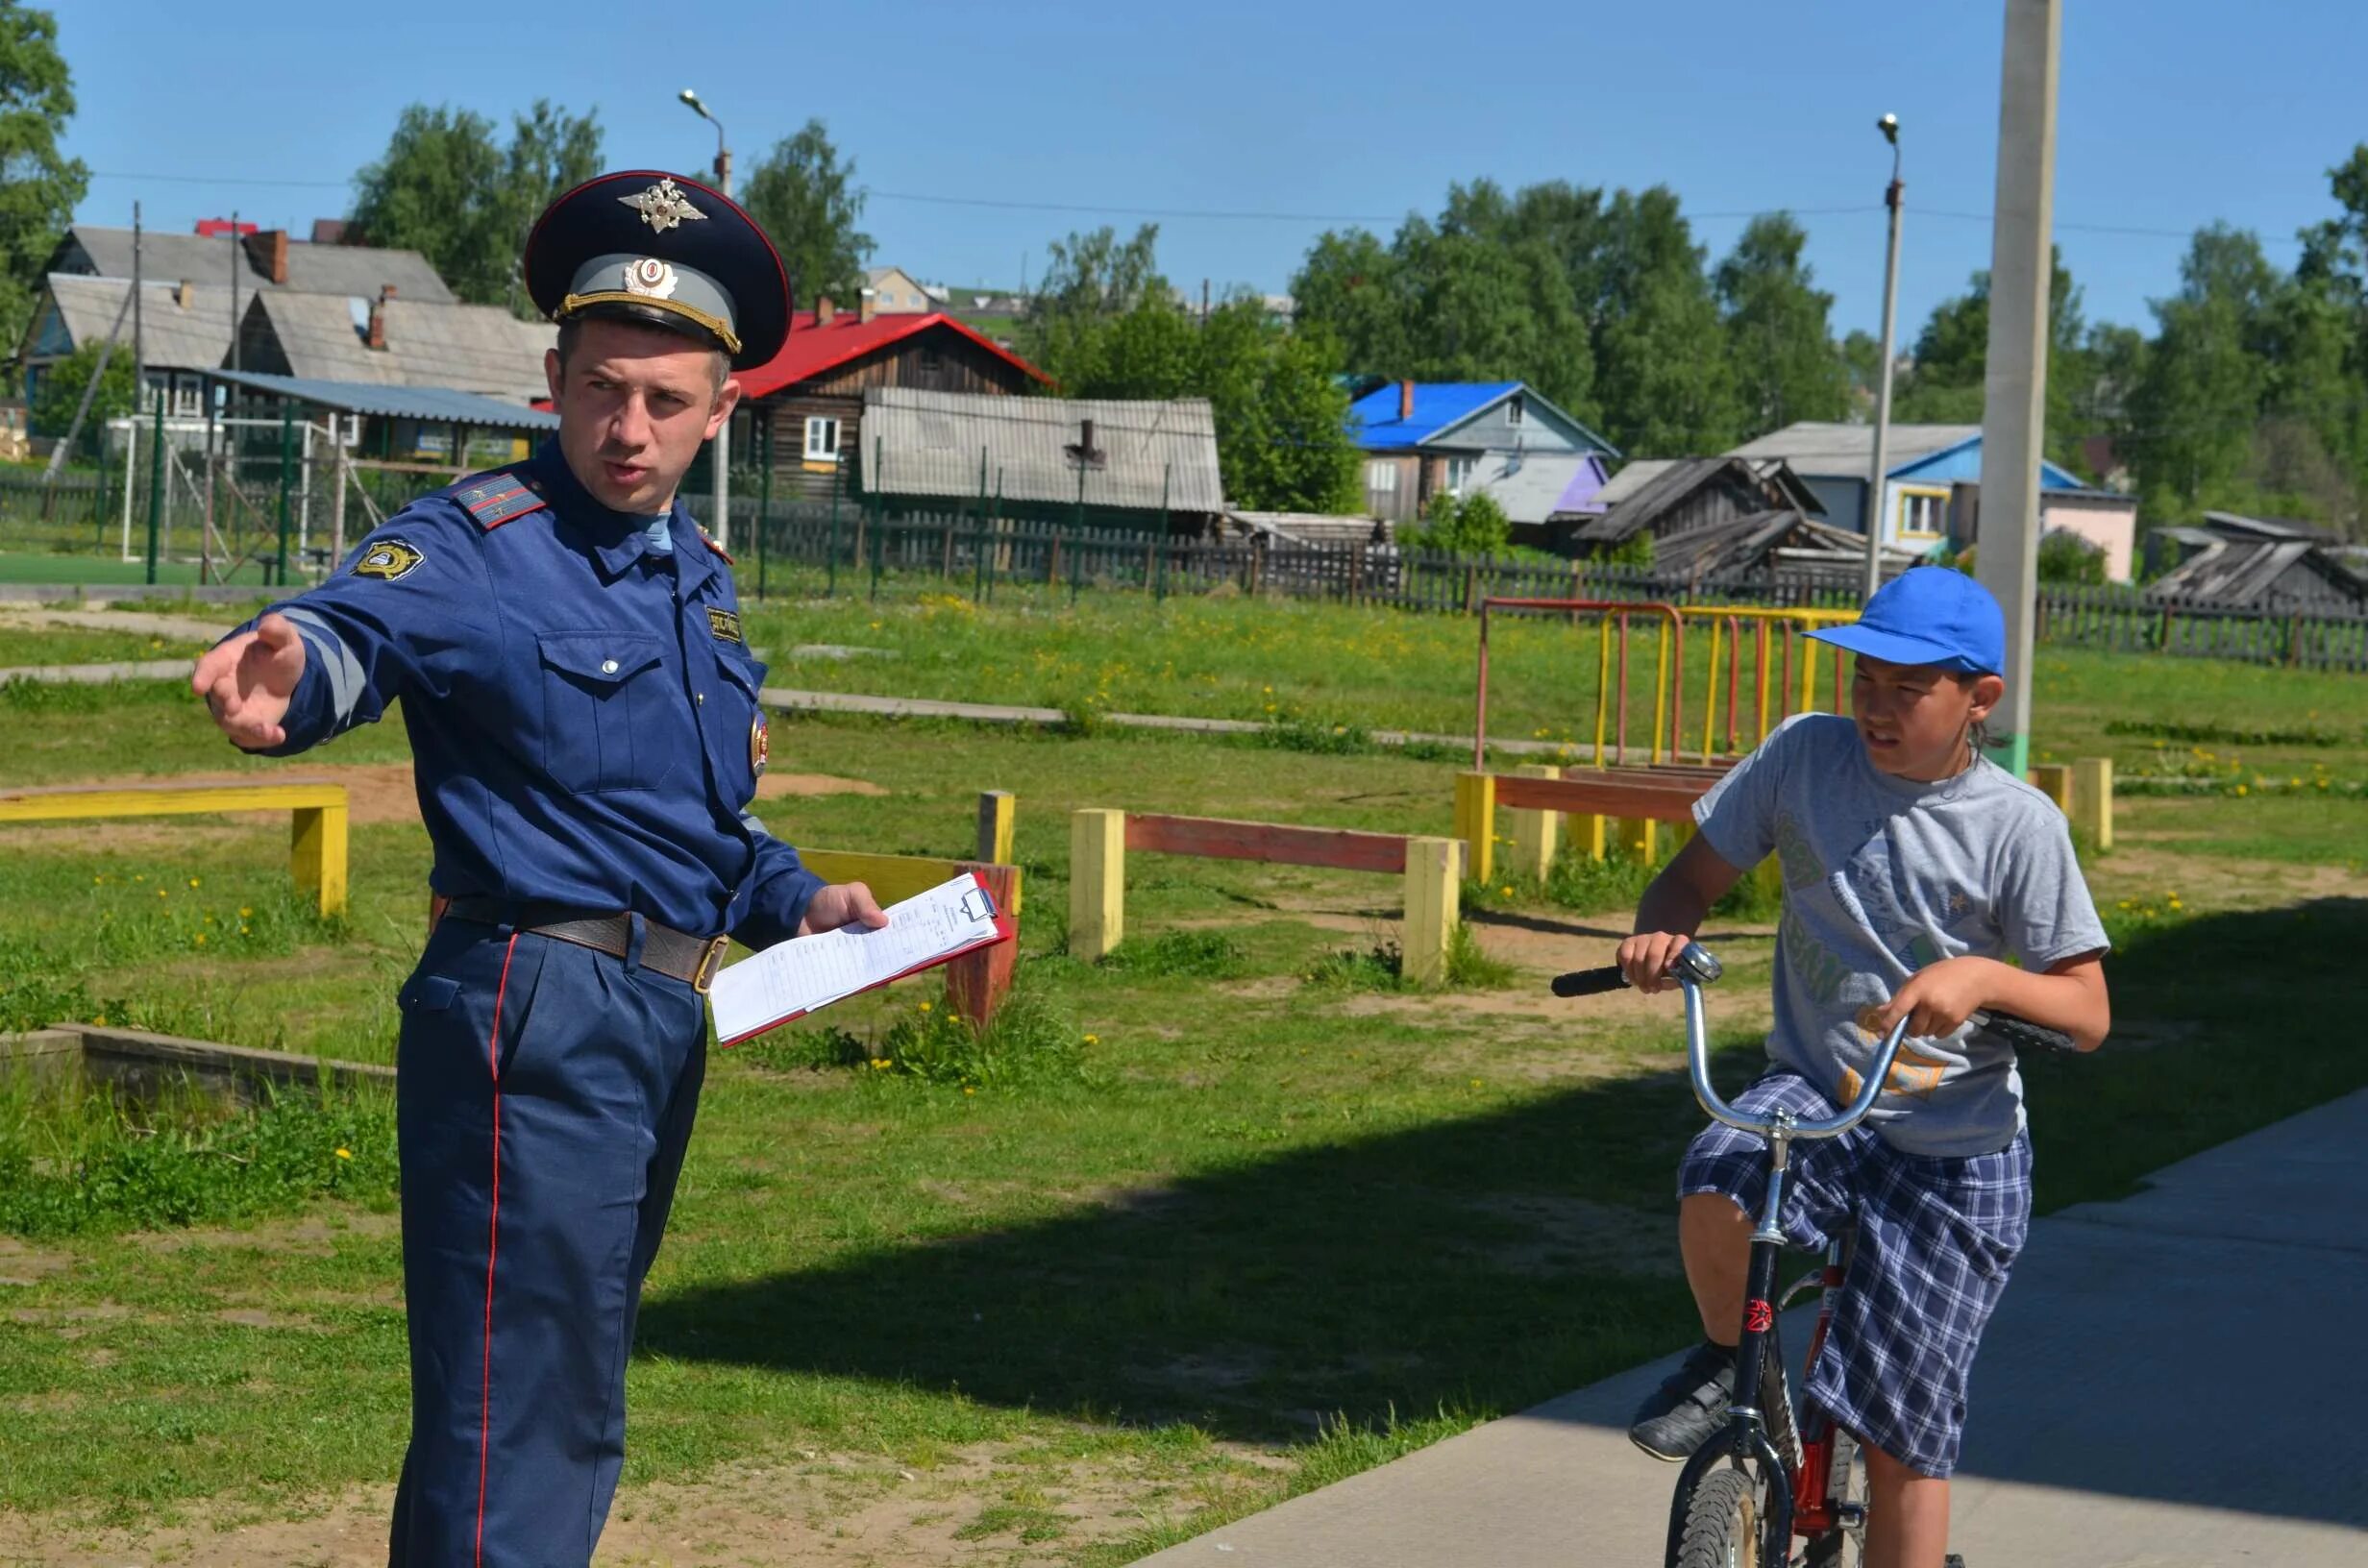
pixel 1723 1523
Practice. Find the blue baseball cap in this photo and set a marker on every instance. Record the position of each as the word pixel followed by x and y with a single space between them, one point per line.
pixel 1929 615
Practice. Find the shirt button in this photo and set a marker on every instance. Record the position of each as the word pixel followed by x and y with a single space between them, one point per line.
pixel 608 667
pixel 702 698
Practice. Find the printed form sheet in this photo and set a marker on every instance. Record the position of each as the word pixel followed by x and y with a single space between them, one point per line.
pixel 805 973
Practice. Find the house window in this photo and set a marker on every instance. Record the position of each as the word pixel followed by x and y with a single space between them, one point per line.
pixel 822 440
pixel 1381 478
pixel 1459 474
pixel 1512 412
pixel 1923 514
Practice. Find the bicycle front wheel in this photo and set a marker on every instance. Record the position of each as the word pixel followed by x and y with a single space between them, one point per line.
pixel 1723 1521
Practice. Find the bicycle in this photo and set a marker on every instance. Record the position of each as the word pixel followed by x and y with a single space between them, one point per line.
pixel 1745 1495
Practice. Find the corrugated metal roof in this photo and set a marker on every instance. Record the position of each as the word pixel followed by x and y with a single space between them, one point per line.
pixel 1819 449
pixel 171 339
pixel 1312 527
pixel 1631 477
pixel 471 348
pixel 1529 485
pixel 931 444
pixel 438 403
pixel 357 270
pixel 1374 424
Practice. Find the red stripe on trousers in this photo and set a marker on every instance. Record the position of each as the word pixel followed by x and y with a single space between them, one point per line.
pixel 493 1236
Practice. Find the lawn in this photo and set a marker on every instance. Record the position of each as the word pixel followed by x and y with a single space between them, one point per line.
pixel 1166 1270
pixel 1243 1217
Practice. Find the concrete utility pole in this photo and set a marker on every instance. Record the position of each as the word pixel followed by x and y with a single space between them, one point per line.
pixel 1880 463
pixel 2015 402
pixel 720 465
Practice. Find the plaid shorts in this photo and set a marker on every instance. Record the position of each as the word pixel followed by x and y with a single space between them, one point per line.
pixel 1937 1237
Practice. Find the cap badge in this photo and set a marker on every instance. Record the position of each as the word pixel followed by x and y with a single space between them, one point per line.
pixel 662 206
pixel 650 278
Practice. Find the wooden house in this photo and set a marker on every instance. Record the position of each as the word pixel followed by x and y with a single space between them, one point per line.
pixel 809 397
pixel 1665 498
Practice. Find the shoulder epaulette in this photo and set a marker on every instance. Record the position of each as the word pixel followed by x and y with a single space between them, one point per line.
pixel 718 549
pixel 498 498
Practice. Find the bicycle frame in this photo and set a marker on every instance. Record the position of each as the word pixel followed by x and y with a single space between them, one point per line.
pixel 1799 1475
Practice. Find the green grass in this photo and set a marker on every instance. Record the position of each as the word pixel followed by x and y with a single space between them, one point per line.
pixel 21 646
pixel 103 567
pixel 1184 1199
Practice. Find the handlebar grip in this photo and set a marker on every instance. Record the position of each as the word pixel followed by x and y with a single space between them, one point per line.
pixel 1589 982
pixel 2024 1035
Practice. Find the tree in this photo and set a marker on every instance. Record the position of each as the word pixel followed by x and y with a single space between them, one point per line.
pixel 1786 367
pixel 446 189
pixel 1946 383
pixel 2192 413
pixel 1663 375
pixel 1106 325
pixel 1472 525
pixel 38 185
pixel 62 390
pixel 804 198
pixel 2065 557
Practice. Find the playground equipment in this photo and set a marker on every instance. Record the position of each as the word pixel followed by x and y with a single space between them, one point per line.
pixel 1099 839
pixel 1778 642
pixel 317 816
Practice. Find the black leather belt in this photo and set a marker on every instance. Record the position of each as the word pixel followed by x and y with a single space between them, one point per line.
pixel 676 954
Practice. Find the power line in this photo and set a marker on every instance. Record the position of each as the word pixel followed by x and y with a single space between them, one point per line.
pixel 1256 215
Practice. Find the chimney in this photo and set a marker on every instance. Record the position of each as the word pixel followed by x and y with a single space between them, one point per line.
pixel 865 302
pixel 1085 436
pixel 185 294
pixel 823 312
pixel 378 316
pixel 1405 400
pixel 267 249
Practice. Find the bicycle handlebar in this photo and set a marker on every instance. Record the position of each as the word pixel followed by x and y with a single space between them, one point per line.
pixel 1695 968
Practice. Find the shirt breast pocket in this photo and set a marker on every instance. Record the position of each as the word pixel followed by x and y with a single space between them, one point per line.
pixel 604 710
pixel 741 762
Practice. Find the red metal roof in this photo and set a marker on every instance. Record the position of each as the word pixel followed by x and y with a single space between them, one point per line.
pixel 815 347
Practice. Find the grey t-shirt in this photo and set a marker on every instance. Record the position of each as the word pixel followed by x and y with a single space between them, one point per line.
pixel 1882 877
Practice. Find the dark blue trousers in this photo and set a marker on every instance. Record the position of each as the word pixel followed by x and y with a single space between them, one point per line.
pixel 544 1095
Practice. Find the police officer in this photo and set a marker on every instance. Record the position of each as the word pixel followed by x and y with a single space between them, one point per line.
pixel 582 707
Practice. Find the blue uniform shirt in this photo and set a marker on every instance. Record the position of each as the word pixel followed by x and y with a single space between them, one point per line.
pixel 581 701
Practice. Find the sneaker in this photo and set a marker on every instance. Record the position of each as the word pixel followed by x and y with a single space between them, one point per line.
pixel 1688 1408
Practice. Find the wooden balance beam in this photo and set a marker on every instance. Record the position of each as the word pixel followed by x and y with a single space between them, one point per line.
pixel 1098 843
pixel 318 818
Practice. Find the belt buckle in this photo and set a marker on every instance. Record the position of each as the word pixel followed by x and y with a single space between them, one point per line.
pixel 702 978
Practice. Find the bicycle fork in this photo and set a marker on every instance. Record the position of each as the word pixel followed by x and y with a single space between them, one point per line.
pixel 1749 1432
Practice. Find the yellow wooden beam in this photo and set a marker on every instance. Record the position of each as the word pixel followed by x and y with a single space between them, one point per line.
pixel 1434 893
pixel 1097 882
pixel 1536 834
pixel 999 812
pixel 2054 779
pixel 1475 822
pixel 2092 799
pixel 890 877
pixel 164 801
pixel 318 852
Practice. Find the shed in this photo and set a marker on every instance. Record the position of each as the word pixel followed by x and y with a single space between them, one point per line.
pixel 1308 528
pixel 1678 496
pixel 2264 572
pixel 1123 464
pixel 403 422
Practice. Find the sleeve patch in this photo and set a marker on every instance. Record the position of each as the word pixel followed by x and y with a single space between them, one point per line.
pixel 390 560
pixel 725 626
pixel 496 498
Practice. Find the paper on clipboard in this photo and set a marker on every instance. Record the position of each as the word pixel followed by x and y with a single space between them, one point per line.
pixel 792 978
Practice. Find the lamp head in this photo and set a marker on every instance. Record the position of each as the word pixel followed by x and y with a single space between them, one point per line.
pixel 696 108
pixel 1889 125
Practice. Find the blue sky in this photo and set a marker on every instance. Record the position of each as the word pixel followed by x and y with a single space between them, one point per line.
pixel 2172 113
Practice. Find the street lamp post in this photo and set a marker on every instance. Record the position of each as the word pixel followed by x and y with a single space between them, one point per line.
pixel 720 495
pixel 1889 125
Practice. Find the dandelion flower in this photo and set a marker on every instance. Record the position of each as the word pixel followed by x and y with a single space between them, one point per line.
pixel 924 1007
pixel 244 913
pixel 345 1154
pixel 969 1089
pixel 199 941
pixel 1506 893
pixel 193 882
pixel 880 1063
pixel 2240 789
pixel 1093 1040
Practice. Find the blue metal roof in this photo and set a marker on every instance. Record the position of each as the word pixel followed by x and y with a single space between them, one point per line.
pixel 1375 425
pixel 1964 461
pixel 435 405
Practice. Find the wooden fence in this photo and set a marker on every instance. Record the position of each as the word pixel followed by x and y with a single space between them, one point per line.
pixel 972 550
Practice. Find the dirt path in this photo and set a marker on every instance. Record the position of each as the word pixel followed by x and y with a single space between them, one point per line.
pixel 859 1510
pixel 156 625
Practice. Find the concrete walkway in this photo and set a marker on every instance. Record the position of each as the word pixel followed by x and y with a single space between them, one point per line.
pixel 2170 1383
